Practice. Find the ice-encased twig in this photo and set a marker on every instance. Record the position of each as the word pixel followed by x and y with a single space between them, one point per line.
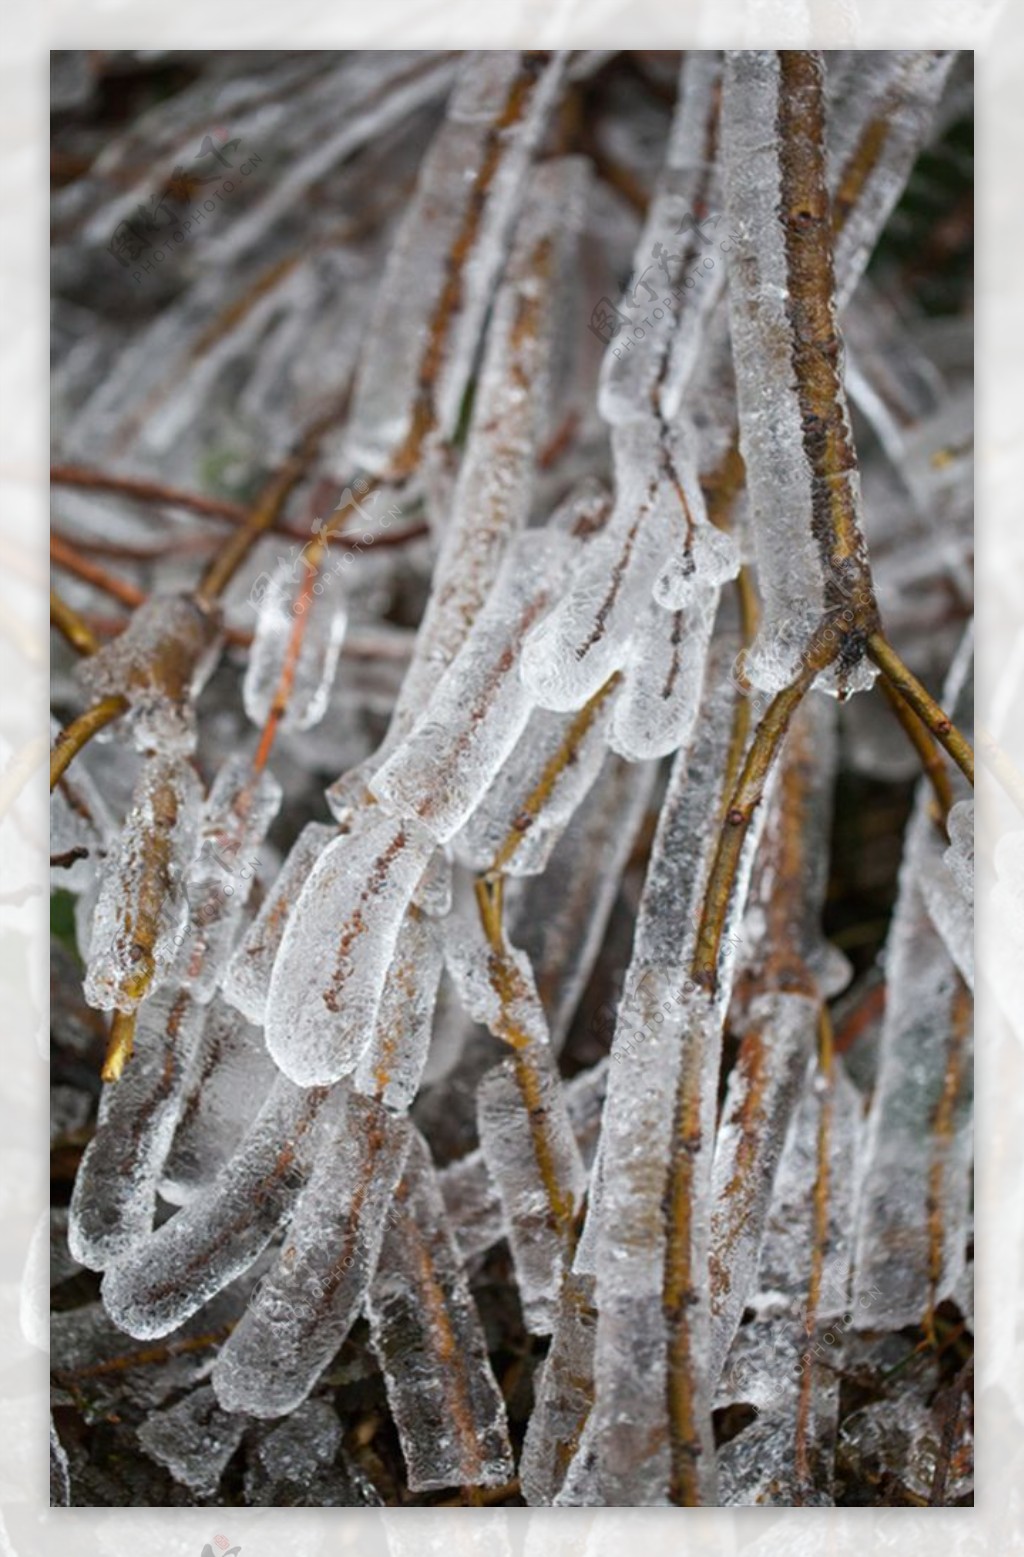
pixel 340 939
pixel 911 1224
pixel 425 1329
pixel 247 979
pixel 301 1311
pixel 230 1078
pixel 392 1063
pixel 563 1394
pixel 160 663
pixel 446 256
pixel 785 1361
pixel 114 1199
pixel 477 713
pixel 164 1279
pixel 559 919
pixel 650 353
pixel 141 904
pixel 794 425
pixel 786 972
pixel 284 602
pixel 521 818
pixel 239 810
pixel 652 1414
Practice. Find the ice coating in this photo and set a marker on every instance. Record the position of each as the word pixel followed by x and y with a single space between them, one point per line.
pixel 304 1307
pixel 564 1395
pixel 477 713
pixel 295 603
pixel 534 796
pixel 572 652
pixel 160 663
pixel 496 115
pixel 230 1078
pixel 657 334
pixel 762 1092
pixel 247 977
pixel 164 1280
pixel 911 1236
pixel 239 810
pixel 392 1063
pixel 337 947
pixel 142 906
pixel 114 1199
pixel 803 487
pixel 492 496
pixel 531 1154
pixel 655 711
pixel 194 1438
pixel 79 821
pixel 425 1329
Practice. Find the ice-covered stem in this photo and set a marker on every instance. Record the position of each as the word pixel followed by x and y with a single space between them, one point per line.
pixel 71 626
pixel 541 792
pixel 120 1046
pixel 826 1072
pixel 906 684
pixel 944 1126
pixel 504 976
pixel 933 767
pixel 80 731
pixel 807 224
pixel 743 802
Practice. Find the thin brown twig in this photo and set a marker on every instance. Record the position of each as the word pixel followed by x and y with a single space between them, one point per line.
pixel 80 731
pixel 928 753
pixel 66 556
pixel 71 626
pixel 921 701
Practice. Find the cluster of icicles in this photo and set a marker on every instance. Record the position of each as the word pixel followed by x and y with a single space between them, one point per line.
pixel 258 1159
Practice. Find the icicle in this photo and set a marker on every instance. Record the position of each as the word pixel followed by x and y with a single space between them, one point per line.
pixel 286 609
pixel 162 1281
pixel 247 979
pixel 239 810
pixel 300 1463
pixel 339 942
pixel 114 1198
pixel 447 255
pixel 479 709
pixel 425 1329
pixel 194 1439
pixel 141 904
pixel 392 1063
pixel 230 1079
pixel 160 663
pixel 302 1310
